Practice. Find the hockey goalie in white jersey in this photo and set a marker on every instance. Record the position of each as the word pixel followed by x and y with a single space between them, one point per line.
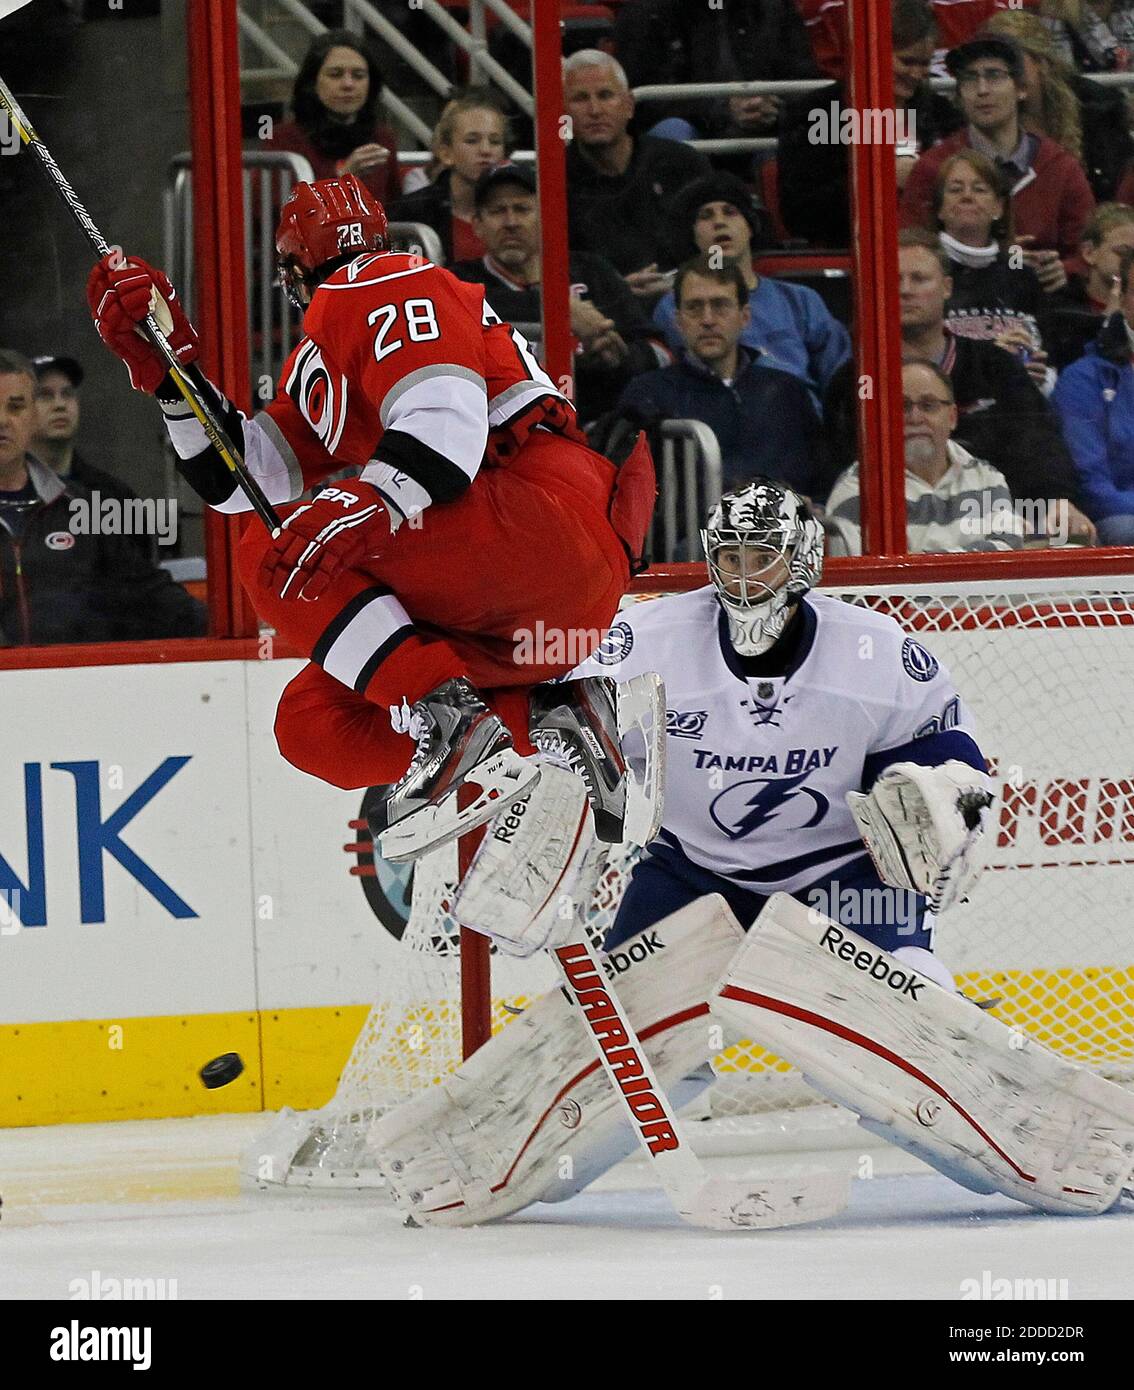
pixel 825 795
pixel 781 701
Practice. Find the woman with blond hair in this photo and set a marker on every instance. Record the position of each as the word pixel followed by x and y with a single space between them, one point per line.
pixel 1087 119
pixel 996 297
pixel 471 136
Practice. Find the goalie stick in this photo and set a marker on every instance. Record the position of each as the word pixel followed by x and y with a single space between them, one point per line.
pixel 720 1204
pixel 200 407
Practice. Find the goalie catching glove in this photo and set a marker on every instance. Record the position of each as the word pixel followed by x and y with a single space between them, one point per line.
pixel 924 828
pixel 120 294
pixel 343 526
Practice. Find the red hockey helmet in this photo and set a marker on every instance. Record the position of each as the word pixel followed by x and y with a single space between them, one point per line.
pixel 329 220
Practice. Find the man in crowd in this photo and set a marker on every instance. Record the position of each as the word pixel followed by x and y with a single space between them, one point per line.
pixel 616 340
pixel 58 380
pixel 790 324
pixel 1002 413
pixel 620 185
pixel 813 176
pixel 1051 198
pixel 763 417
pixel 953 500
pixel 61 578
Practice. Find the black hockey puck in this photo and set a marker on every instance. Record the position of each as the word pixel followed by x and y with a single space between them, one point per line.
pixel 221 1071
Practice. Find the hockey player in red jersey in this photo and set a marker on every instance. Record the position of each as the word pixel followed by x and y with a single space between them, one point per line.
pixel 478 513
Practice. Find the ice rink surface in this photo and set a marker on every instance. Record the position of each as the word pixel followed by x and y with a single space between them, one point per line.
pixel 160 1200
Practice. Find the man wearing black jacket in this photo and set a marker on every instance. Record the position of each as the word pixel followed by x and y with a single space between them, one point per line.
pixel 813 176
pixel 1004 418
pixel 620 186
pixel 58 380
pixel 616 339
pixel 61 581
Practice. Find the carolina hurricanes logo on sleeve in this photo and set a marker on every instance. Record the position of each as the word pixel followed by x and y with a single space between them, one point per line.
pixel 319 395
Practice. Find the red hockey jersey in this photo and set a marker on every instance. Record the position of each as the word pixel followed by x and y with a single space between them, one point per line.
pixel 403 371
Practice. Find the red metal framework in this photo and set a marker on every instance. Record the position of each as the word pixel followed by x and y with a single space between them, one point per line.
pixel 218 236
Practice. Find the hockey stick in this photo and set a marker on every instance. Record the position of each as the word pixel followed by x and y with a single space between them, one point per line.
pixel 200 407
pixel 721 1204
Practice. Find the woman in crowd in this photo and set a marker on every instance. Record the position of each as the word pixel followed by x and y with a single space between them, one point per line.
pixel 996 297
pixel 335 125
pixel 471 137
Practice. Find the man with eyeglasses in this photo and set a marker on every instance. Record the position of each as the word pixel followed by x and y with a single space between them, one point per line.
pixel 954 501
pixel 763 417
pixel 1051 198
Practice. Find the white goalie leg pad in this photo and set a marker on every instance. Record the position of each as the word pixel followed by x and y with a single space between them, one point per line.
pixel 926 1069
pixel 641 730
pixel 520 888
pixel 528 1109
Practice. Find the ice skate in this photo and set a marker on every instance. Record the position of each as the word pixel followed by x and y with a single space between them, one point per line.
pixel 460 744
pixel 575 724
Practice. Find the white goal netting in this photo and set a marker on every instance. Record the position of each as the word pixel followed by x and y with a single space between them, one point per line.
pixel 1047 667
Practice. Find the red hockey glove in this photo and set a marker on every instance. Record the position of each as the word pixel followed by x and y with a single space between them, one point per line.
pixel 120 299
pixel 344 525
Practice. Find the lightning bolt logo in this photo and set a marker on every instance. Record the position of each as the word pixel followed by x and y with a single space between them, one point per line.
pixel 763 805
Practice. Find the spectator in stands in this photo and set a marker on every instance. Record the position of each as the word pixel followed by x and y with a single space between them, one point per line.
pixel 61 578
pixel 1051 198
pixel 812 174
pixel 763 417
pixel 1078 311
pixel 790 324
pixel 616 340
pixel 996 297
pixel 471 136
pixel 1003 415
pixel 1086 118
pixel 58 380
pixel 620 185
pixel 1095 403
pixel 953 501
pixel 334 115
pixel 669 41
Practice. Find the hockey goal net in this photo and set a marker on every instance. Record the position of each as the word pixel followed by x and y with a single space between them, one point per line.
pixel 1047 942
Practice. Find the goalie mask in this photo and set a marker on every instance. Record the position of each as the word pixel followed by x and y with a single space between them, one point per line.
pixel 322 226
pixel 765 550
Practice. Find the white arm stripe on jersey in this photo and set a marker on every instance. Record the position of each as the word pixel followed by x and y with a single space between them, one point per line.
pixel 446 412
pixel 270 460
pixel 460 400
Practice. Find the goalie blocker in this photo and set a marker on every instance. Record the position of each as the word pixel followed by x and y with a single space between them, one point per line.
pixel 925 1069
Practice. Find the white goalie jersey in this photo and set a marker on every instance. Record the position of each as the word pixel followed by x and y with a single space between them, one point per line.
pixel 758 767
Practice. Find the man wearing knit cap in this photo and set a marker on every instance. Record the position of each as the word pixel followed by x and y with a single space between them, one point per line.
pixel 789 324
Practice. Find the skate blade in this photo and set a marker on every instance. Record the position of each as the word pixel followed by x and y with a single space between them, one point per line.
pixel 641 712
pixel 504 778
